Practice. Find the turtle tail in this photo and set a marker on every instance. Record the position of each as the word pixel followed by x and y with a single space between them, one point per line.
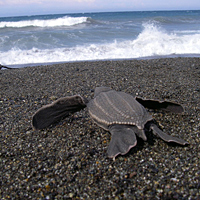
pixel 57 111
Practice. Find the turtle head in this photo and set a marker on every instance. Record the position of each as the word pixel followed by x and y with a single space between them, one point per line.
pixel 98 90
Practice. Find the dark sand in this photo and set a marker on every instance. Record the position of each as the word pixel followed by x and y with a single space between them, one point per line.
pixel 68 160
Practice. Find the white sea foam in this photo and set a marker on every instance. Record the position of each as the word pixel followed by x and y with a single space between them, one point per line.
pixel 152 41
pixel 63 21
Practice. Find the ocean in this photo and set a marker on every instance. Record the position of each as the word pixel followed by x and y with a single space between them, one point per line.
pixel 29 40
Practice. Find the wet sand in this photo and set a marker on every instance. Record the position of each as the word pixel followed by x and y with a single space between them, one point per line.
pixel 68 160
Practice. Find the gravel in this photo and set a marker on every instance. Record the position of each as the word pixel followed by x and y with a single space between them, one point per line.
pixel 68 160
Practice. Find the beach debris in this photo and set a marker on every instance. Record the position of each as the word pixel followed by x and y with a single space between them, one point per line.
pixel 3 66
pixel 123 115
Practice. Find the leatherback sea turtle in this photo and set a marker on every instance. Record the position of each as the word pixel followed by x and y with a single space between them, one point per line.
pixel 117 112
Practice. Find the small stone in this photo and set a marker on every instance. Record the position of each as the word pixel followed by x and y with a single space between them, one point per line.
pixel 133 174
pixel 71 195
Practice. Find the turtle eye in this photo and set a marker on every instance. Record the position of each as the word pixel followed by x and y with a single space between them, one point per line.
pixel 77 98
pixel 61 102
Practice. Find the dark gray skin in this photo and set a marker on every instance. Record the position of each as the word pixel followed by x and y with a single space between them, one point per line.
pixel 117 112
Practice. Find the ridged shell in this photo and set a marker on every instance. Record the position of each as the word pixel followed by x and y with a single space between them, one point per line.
pixel 114 107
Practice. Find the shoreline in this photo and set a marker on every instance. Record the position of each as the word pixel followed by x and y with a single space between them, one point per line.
pixel 126 59
pixel 68 160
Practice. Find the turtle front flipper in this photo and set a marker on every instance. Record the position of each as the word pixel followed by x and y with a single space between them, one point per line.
pixel 122 140
pixel 165 136
pixel 57 110
pixel 161 105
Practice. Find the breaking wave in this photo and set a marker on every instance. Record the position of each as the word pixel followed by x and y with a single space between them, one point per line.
pixel 152 41
pixel 62 21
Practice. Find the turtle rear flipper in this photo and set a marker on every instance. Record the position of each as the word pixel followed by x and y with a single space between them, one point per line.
pixel 161 105
pixel 123 139
pixel 166 137
pixel 57 110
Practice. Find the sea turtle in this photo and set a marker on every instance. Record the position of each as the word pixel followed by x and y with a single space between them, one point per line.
pixel 117 112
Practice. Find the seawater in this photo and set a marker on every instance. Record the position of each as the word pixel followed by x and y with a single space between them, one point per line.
pixel 98 36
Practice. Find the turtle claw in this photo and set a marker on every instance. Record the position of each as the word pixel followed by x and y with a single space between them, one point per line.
pixel 166 137
pixel 123 139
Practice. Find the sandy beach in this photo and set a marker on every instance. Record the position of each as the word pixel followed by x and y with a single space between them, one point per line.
pixel 68 160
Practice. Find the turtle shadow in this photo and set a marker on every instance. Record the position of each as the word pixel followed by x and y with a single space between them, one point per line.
pixel 141 144
pixel 151 140
pixel 65 120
